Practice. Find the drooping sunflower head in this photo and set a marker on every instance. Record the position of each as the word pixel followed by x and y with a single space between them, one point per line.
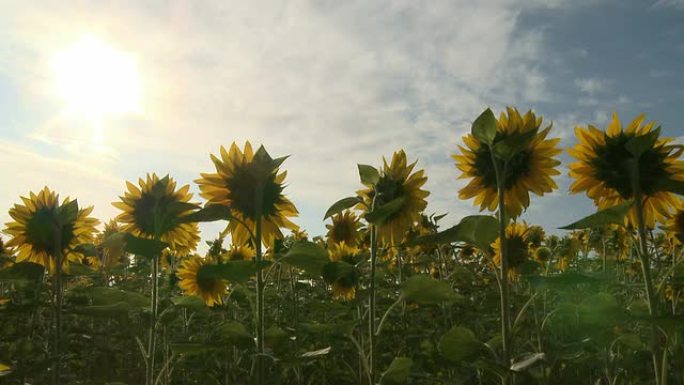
pixel 535 235
pixel 193 282
pixel 41 225
pixel 397 181
pixel 531 169
pixel 605 166
pixel 238 253
pixel 517 246
pixel 344 228
pixel 153 209
pixel 344 287
pixel 242 176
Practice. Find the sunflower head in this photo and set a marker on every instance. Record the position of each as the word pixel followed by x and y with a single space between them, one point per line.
pixel 111 254
pixel 517 247
pixel 467 252
pixel 542 254
pixel 675 221
pixel 42 224
pixel 240 178
pixel 530 169
pixel 535 236
pixel 153 209
pixel 344 287
pixel 605 167
pixel 194 282
pixel 344 228
pixel 397 181
pixel 238 253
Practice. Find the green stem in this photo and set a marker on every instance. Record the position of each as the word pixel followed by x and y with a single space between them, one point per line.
pixel 371 305
pixel 260 293
pixel 58 292
pixel 152 337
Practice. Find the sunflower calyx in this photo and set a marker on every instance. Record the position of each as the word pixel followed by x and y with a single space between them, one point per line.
pixel 484 127
pixel 642 143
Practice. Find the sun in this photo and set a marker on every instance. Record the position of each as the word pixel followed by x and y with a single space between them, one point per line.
pixel 97 80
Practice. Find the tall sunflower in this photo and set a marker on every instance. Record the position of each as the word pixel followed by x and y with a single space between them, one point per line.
pixel 111 254
pixel 602 169
pixel 153 209
pixel 344 287
pixel 33 230
pixel 531 169
pixel 397 180
pixel 239 176
pixel 344 228
pixel 518 243
pixel 211 290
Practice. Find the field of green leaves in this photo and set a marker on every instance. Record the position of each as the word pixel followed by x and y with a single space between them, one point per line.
pixel 387 296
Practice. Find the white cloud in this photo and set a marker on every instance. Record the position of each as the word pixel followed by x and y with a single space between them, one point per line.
pixel 591 86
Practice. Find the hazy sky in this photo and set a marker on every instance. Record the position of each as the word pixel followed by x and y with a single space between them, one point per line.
pixel 332 83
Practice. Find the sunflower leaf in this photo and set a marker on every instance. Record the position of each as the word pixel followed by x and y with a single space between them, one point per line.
pixel 460 344
pixel 639 144
pixel 23 271
pixel 510 146
pixel 87 249
pixel 234 333
pixel 527 361
pixel 611 216
pixel 484 127
pixel 477 230
pixel 208 213
pixel 67 213
pixel 234 271
pixel 398 371
pixel 380 214
pixel 148 248
pixel 424 290
pixel 307 256
pixel 332 271
pixel 341 205
pixel 369 175
pixel 671 185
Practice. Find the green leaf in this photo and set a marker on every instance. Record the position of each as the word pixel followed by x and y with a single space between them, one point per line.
pixel 564 280
pixel 23 271
pixel 307 256
pixel 78 269
pixel 460 344
pixel 328 329
pixel 527 361
pixel 369 175
pixel 67 213
pixel 599 310
pixel 208 213
pixel 189 348
pixel 148 248
pixel 275 337
pixel 234 333
pixel 611 216
pixel 673 186
pixel 234 271
pixel 477 230
pixel 341 205
pixel 424 290
pixel 380 214
pixel 189 302
pixel 332 271
pixel 117 309
pixel 507 148
pixel 110 296
pixel 316 353
pixel 398 372
pixel 484 127
pixel 87 249
pixel 640 144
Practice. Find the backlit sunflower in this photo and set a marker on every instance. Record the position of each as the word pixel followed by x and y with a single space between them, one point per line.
pixel 344 228
pixel 530 169
pixel 211 290
pixel 33 230
pixel 542 254
pixel 112 253
pixel 397 181
pixel 675 220
pixel 344 288
pixel 235 184
pixel 238 253
pixel 602 169
pixel 518 247
pixel 153 209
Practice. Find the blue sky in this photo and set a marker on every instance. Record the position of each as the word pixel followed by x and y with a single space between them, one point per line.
pixel 331 83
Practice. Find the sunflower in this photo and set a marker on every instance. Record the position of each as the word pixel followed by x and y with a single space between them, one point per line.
pixel 111 254
pixel 542 254
pixel 238 253
pixel 675 220
pixel 344 287
pixel 535 236
pixel 153 209
pixel 517 247
pixel 397 181
pixel 344 228
pixel 239 175
pixel 211 290
pixel 34 233
pixel 530 169
pixel 602 169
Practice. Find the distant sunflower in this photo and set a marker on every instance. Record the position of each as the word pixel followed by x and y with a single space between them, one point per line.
pixel 530 170
pixel 235 184
pixel 397 181
pixel 344 228
pixel 112 254
pixel 211 290
pixel 535 236
pixel 602 169
pixel 542 254
pixel 153 209
pixel 238 253
pixel 518 247
pixel 344 288
pixel 33 232
pixel 675 220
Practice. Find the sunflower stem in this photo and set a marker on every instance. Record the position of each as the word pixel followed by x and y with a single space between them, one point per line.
pixel 152 337
pixel 646 271
pixel 260 291
pixel 58 292
pixel 371 304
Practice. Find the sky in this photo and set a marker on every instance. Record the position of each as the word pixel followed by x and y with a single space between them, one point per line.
pixel 330 83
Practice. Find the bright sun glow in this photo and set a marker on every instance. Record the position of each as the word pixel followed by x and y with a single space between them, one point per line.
pixel 97 80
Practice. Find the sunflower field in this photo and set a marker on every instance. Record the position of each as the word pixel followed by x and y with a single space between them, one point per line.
pixel 387 296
